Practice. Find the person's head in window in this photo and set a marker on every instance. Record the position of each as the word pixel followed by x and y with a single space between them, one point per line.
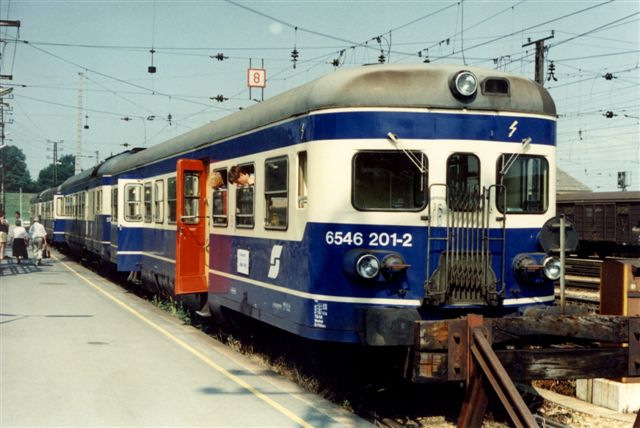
pixel 241 175
pixel 217 180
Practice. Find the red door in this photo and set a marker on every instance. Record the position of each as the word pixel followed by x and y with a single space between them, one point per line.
pixel 191 221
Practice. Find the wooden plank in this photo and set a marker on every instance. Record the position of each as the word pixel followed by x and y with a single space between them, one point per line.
pixel 525 365
pixel 582 363
pixel 589 327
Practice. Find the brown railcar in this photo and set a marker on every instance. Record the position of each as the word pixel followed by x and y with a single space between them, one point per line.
pixel 608 223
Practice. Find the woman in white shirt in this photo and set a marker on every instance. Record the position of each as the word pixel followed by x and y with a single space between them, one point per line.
pixel 19 236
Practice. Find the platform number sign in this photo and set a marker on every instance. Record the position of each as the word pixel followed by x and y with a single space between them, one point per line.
pixel 257 78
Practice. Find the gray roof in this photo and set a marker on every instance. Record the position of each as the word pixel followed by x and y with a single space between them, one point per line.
pixel 566 183
pixel 389 85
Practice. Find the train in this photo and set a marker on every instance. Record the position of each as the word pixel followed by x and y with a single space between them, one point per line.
pixel 607 223
pixel 343 210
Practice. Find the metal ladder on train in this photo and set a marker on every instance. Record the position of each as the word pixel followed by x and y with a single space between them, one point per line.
pixel 464 273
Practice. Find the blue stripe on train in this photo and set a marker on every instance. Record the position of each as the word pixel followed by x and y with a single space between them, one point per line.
pixel 370 124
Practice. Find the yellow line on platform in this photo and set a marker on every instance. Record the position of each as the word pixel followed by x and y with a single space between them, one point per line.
pixel 288 413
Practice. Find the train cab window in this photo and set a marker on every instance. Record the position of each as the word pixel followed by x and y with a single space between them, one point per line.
pixel 276 193
pixel 219 194
pixel 243 176
pixel 191 198
pixel 171 199
pixel 133 202
pixel 463 182
pixel 148 203
pixel 524 184
pixel 389 181
pixel 158 201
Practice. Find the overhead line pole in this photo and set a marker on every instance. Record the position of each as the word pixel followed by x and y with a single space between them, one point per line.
pixel 539 56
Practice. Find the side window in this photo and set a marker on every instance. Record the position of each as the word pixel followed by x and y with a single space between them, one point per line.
pixel 148 203
pixel 99 201
pixel 243 176
pixel 463 182
pixel 219 195
pixel 191 198
pixel 133 202
pixel 276 192
pixel 114 204
pixel 82 205
pixel 302 180
pixel 158 201
pixel 526 182
pixel 171 199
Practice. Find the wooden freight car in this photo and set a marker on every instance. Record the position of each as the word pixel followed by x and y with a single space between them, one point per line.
pixel 608 223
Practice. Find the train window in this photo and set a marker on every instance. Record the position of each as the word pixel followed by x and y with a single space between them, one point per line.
pixel 67 206
pixel 60 206
pixel 191 198
pixel 82 204
pixel 148 203
pixel 133 202
pixel 463 182
pixel 389 181
pixel 244 177
pixel 99 201
pixel 171 199
pixel 526 182
pixel 302 180
pixel 158 201
pixel 220 194
pixel 114 204
pixel 276 193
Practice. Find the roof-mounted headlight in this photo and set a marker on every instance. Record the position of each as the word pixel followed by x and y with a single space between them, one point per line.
pixel 464 84
pixel 368 266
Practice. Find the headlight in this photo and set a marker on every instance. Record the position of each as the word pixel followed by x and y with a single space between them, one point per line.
pixel 368 266
pixel 551 268
pixel 465 84
pixel 393 266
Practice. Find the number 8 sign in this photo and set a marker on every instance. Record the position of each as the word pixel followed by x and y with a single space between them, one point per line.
pixel 257 78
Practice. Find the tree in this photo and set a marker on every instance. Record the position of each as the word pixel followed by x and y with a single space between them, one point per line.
pixel 66 168
pixel 16 174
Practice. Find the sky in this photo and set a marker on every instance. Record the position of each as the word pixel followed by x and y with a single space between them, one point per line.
pixel 80 68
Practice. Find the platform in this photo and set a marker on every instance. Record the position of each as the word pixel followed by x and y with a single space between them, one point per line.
pixel 77 350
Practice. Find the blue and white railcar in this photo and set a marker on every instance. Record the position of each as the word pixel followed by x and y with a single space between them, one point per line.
pixel 366 200
pixel 46 205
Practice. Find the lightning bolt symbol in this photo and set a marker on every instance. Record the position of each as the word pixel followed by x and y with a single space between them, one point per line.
pixel 513 127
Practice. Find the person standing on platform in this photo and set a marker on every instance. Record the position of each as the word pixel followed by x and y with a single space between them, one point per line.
pixel 19 237
pixel 4 234
pixel 38 236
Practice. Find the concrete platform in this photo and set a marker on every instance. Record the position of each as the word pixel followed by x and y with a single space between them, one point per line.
pixel 610 394
pixel 76 350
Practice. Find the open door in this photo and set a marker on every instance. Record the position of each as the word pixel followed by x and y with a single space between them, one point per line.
pixel 191 192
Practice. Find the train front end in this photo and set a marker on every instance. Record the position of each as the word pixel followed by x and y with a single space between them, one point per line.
pixel 436 211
